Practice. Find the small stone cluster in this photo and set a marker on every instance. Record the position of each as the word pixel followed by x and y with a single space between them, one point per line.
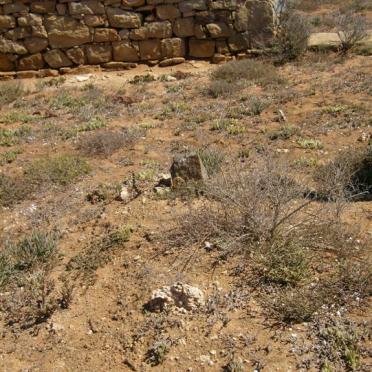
pixel 55 34
pixel 180 296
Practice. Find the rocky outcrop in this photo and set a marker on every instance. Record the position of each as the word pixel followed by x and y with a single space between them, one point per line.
pixel 63 33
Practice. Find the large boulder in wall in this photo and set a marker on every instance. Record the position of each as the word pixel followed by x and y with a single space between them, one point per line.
pixel 201 48
pixel 125 51
pixel 56 59
pixel 32 62
pixel 123 19
pixel 66 32
pixel 6 63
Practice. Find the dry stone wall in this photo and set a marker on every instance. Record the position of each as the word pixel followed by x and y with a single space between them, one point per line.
pixel 50 34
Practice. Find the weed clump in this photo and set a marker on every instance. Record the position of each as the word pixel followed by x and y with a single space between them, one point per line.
pixel 32 302
pixel 105 143
pixel 283 263
pixel 248 70
pixel 142 79
pixel 10 91
pixel 34 250
pixel 157 352
pixel 349 175
pixel 13 189
pixel 340 342
pixel 29 296
pixel 295 305
pixel 10 137
pixel 59 170
pixel 212 159
pixel 91 125
pixel 284 133
pixel 309 144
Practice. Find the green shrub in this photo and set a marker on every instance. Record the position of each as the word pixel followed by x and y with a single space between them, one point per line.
pixel 18 116
pixel 32 250
pixel 93 124
pixel 341 345
pixel 10 137
pixel 141 79
pixel 284 263
pixel 10 156
pixel 284 133
pixel 30 303
pixel 157 353
pixel 311 144
pixel 256 105
pixel 104 193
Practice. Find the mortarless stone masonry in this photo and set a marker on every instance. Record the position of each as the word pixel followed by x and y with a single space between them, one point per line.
pixel 38 35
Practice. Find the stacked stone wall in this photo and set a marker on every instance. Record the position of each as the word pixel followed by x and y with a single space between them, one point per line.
pixel 51 34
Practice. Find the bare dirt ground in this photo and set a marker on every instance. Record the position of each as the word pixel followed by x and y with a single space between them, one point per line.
pixel 126 127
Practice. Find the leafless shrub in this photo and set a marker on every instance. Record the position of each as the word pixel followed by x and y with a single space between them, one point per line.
pixel 351 29
pixel 249 207
pixel 284 236
pixel 291 31
pixel 105 143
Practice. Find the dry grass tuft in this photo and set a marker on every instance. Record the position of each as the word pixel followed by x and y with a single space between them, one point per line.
pixel 254 71
pixel 105 143
pixel 10 91
pixel 29 296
